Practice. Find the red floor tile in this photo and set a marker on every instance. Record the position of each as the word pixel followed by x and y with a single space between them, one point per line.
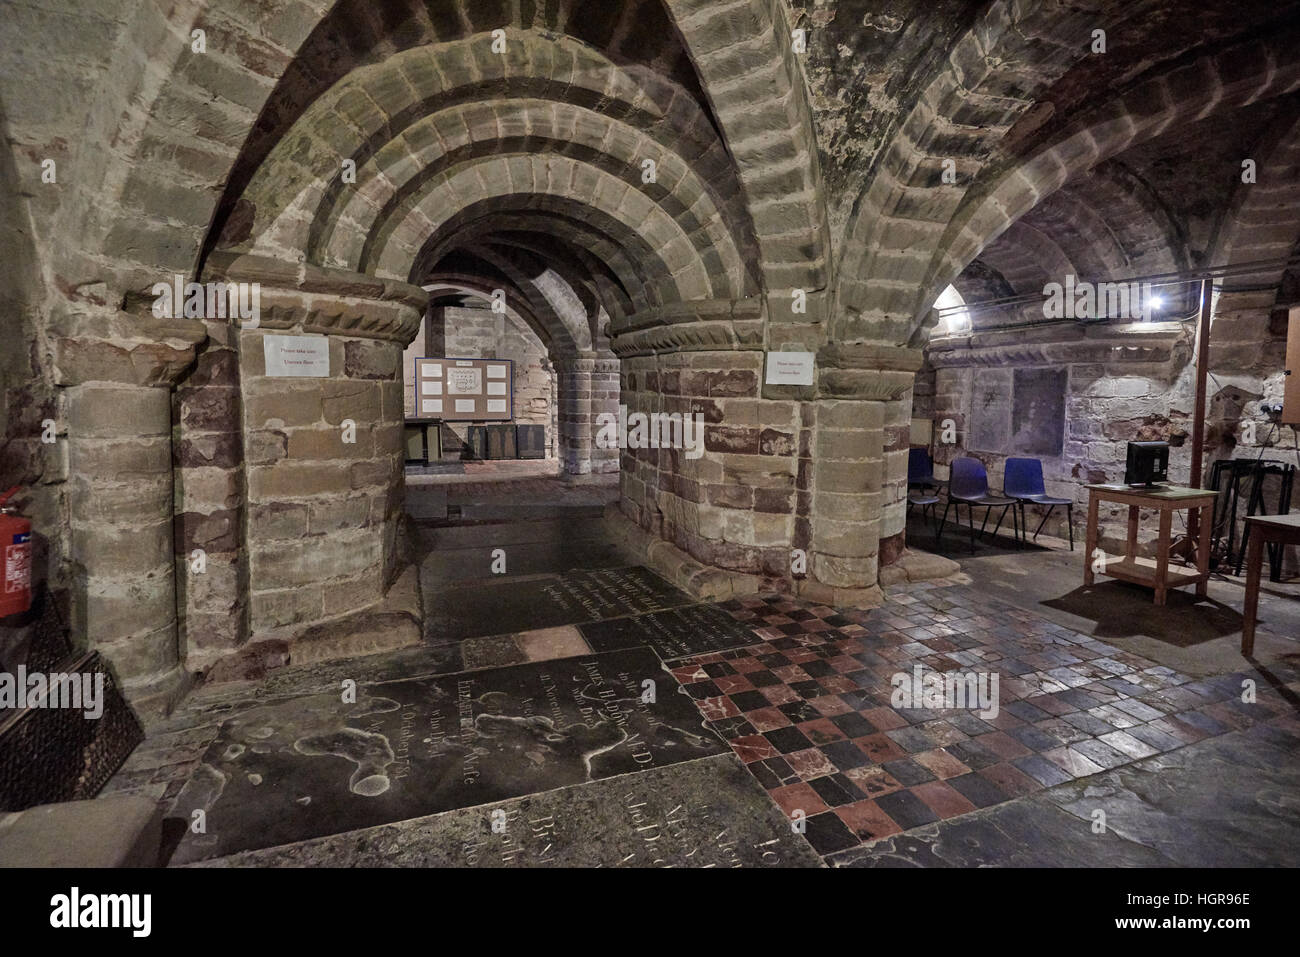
pixel 867 821
pixel 942 799
pixel 798 797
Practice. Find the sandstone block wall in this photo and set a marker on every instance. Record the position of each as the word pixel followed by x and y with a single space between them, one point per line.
pixel 1122 387
pixel 323 511
pixel 735 506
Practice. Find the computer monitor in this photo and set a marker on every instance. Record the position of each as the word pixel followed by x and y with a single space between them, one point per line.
pixel 1148 463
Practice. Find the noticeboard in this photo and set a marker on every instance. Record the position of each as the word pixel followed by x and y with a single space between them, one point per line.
pixel 464 390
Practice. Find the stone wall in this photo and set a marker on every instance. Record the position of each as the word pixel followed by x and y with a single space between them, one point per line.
pixel 733 507
pixel 1130 383
pixel 29 402
pixel 317 477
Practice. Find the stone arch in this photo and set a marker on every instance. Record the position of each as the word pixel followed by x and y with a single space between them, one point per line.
pixel 1259 224
pixel 1147 109
pixel 575 336
pixel 619 264
pixel 533 310
pixel 991 80
pixel 753 81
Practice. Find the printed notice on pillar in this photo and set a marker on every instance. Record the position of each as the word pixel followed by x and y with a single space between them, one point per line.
pixel 790 368
pixel 307 356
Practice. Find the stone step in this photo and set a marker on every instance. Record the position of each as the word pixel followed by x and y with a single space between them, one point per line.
pixel 115 831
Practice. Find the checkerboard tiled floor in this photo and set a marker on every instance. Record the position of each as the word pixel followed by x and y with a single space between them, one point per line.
pixel 808 709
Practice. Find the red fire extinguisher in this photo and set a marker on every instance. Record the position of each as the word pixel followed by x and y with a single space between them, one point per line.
pixel 16 558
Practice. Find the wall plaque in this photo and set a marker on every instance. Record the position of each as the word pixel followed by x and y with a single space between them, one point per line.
pixel 790 368
pixel 307 356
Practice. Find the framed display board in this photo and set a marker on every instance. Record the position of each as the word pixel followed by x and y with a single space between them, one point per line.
pixel 465 390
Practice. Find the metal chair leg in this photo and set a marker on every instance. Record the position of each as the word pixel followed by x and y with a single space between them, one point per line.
pixel 943 521
pixel 1046 515
pixel 1069 518
pixel 1001 518
pixel 970 514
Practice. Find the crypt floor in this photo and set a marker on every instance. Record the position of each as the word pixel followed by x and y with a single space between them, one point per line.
pixel 581 711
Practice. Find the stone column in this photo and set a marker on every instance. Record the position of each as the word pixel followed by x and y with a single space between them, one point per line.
pixel 323 454
pixel 118 370
pixel 859 465
pixel 725 516
pixel 587 386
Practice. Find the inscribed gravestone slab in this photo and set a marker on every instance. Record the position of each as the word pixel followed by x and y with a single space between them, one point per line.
pixel 497 608
pixel 304 767
pixel 694 630
pixel 705 813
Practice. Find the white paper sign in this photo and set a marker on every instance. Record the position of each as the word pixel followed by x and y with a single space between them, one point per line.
pixel 496 388
pixel 464 405
pixel 790 368
pixel 297 356
pixel 496 405
pixel 496 372
pixel 431 388
pixel 431 405
pixel 464 381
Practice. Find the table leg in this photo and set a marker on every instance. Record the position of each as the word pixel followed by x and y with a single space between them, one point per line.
pixel 1254 559
pixel 1203 553
pixel 1162 555
pixel 1090 544
pixel 1130 550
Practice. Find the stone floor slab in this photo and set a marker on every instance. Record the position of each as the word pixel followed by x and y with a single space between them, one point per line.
pixel 303 767
pixel 676 633
pixel 703 813
pixel 546 601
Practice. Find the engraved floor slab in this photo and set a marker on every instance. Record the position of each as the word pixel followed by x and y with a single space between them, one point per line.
pixel 547 601
pixel 693 630
pixel 314 765
pixel 705 813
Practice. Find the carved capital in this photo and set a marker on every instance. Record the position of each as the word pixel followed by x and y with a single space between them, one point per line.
pixel 300 296
pixel 866 371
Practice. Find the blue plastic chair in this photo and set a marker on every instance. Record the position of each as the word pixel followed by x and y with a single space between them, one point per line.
pixel 969 486
pixel 1023 481
pixel 920 470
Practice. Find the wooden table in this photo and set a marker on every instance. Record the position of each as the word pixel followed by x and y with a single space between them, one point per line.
pixel 1165 499
pixel 1282 529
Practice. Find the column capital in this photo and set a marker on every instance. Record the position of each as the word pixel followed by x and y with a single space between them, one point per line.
pixel 107 345
pixel 703 325
pixel 866 371
pixel 319 299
